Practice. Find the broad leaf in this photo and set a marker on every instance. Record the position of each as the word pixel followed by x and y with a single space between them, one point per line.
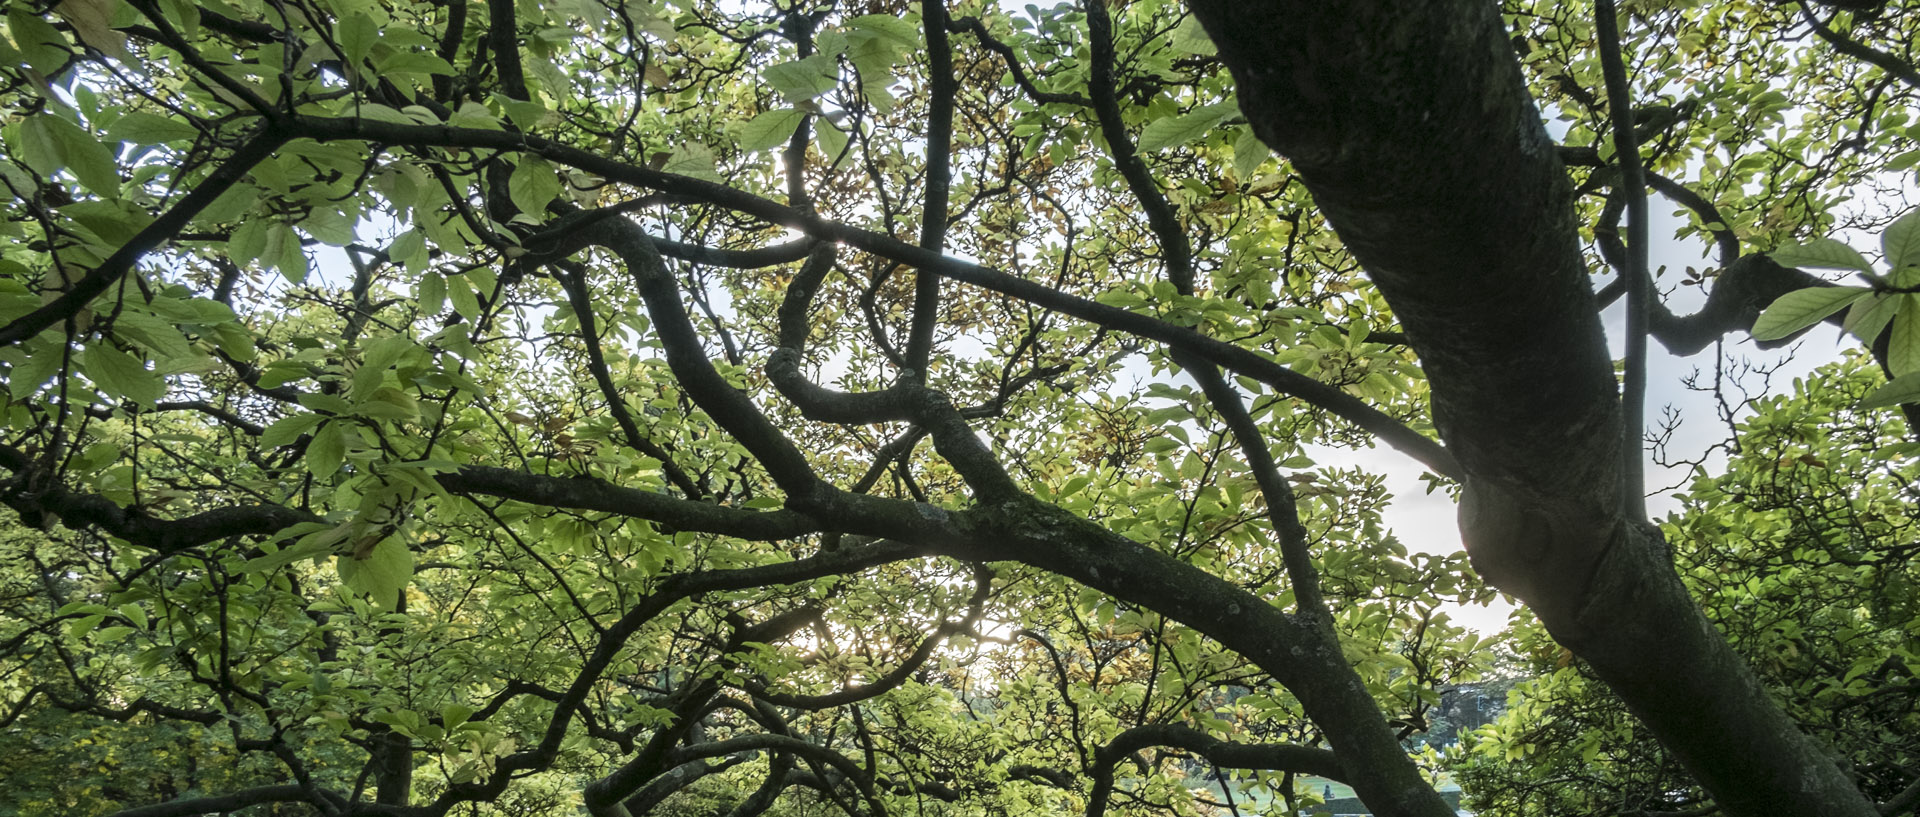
pixel 382 572
pixel 1187 127
pixel 1821 253
pixel 769 130
pixel 1902 389
pixel 49 144
pixel 1901 244
pixel 1903 347
pixel 122 374
pixel 143 128
pixel 802 80
pixel 1802 308
pixel 534 185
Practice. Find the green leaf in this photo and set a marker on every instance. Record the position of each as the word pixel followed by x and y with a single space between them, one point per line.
pixel 1179 130
pixel 383 573
pixel 1248 154
pixel 1821 253
pixel 122 374
pixel 886 28
pixel 357 33
pixel 460 292
pixel 431 292
pixel 1901 241
pixel 116 222
pixel 804 79
pixel 415 62
pixel 769 130
pixel 329 225
pixel 376 359
pixel 327 451
pixel 533 185
pixel 1903 389
pixel 287 429
pixel 231 205
pixel 155 335
pixel 142 128
pixel 28 375
pixel 1191 38
pixel 280 248
pixel 829 138
pixel 49 144
pixel 1802 308
pixel 453 715
pixel 325 403
pixel 311 547
pixel 44 47
pixel 409 248
pixel 1868 317
pixel 1903 348
pixel 525 115
pixel 692 159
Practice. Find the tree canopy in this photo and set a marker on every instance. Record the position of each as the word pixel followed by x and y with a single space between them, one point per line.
pixel 416 408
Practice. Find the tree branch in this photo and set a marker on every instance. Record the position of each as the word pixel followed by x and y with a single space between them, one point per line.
pixel 1889 63
pixel 101 278
pixel 220 804
pixel 1227 356
pixel 1633 400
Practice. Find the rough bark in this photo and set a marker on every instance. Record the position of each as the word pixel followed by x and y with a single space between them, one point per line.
pixel 1413 128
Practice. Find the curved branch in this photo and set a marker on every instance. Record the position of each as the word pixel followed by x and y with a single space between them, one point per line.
pixel 1727 244
pixel 76 509
pixel 892 680
pixel 589 494
pixel 220 804
pixel 101 278
pixel 1743 289
pixel 250 428
pixel 1274 757
pixel 1231 755
pixel 1853 48
pixel 1639 278
pixel 972 25
pixel 767 256
pixel 573 280
pixel 1241 361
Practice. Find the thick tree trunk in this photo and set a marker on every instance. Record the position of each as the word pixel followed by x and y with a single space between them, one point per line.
pixel 1413 128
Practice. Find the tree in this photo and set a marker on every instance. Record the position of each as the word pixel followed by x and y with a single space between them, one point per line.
pixel 1800 554
pixel 459 404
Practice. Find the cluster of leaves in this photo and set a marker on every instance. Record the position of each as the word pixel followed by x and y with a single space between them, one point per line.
pixel 1802 552
pixel 505 553
pixel 1890 304
pixel 429 406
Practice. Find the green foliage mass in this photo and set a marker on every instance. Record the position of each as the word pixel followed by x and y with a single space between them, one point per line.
pixel 687 407
pixel 1802 553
